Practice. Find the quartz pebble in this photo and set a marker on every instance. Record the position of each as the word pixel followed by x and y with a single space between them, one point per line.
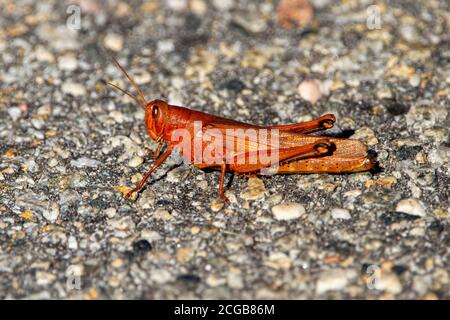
pixel 309 90
pixel 339 213
pixel 113 41
pixel 288 211
pixel 74 89
pixel 411 206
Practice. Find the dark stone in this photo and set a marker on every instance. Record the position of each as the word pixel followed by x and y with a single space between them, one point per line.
pixel 350 39
pixel 408 152
pixel 436 227
pixel 141 246
pixel 343 248
pixel 398 269
pixel 189 278
pixel 192 22
pixel 394 107
pixel 393 217
pixel 234 84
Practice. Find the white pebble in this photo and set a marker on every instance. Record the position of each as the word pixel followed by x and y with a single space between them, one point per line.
pixel 177 5
pixel 332 280
pixel 135 162
pixel 310 91
pixel 84 162
pixel 110 212
pixel 411 206
pixel 14 113
pixel 67 62
pixel 74 89
pixel 339 213
pixel 113 41
pixel 288 211
pixel 72 243
pixel 52 212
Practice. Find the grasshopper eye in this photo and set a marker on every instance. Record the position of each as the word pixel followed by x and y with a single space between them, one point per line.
pixel 155 112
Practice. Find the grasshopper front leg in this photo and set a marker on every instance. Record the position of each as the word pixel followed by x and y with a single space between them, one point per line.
pixel 158 162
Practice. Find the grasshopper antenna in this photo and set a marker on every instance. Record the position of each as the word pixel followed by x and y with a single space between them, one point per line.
pixel 127 93
pixel 131 80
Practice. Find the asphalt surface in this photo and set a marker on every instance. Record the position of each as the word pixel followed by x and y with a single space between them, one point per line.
pixel 66 140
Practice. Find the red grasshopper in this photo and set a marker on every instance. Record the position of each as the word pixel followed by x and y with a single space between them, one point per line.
pixel 294 149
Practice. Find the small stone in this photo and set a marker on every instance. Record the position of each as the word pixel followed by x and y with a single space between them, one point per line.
pixel 279 260
pixel 414 80
pixel 198 7
pixel 113 41
pixel 309 90
pixel 72 243
pixel 288 211
pixel 160 276
pixel 74 89
pixel 185 254
pixel 214 281
pixel 177 5
pixel 333 280
pixel 52 212
pixel 389 282
pixel 15 113
pixel 142 246
pixel 44 278
pixel 85 162
pixel 43 55
pixel 135 162
pixel 366 135
pixel 223 5
pixel 255 189
pixel 162 214
pixel 110 212
pixel 294 13
pixel 411 206
pixel 339 213
pixel 217 205
pixel 235 281
pixel 67 62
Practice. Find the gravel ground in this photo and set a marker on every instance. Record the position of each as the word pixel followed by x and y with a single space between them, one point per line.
pixel 66 140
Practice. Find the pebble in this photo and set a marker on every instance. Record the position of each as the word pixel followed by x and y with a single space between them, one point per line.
pixel 177 5
pixel 414 80
pixel 223 5
pixel 72 243
pixel 309 90
pixel 332 280
pixel 234 280
pixel 255 189
pixel 389 282
pixel 160 276
pixel 288 211
pixel 135 162
pixel 339 213
pixel 44 278
pixel 279 260
pixel 185 254
pixel 411 206
pixel 67 63
pixel 75 89
pixel 85 162
pixel 294 13
pixel 43 55
pixel 366 135
pixel 214 281
pixel 110 212
pixel 15 113
pixel 113 41
pixel 51 213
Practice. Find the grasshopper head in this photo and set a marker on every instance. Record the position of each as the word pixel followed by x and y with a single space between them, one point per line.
pixel 156 113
